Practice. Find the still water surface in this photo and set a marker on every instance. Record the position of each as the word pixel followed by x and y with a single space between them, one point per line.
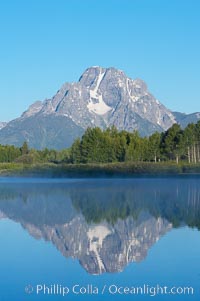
pixel 97 236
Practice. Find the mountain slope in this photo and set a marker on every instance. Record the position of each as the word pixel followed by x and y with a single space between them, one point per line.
pixel 2 124
pixel 41 131
pixel 102 97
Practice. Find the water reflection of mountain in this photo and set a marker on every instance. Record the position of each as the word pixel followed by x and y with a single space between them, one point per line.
pixel 104 224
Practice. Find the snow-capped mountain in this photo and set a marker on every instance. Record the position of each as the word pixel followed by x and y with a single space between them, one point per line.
pixel 102 97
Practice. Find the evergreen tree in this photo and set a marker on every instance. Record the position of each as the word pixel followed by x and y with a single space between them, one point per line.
pixel 154 147
pixel 172 143
pixel 24 148
pixel 134 150
pixel 75 152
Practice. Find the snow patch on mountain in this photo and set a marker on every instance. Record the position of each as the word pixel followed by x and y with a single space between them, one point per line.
pixel 93 93
pixel 98 106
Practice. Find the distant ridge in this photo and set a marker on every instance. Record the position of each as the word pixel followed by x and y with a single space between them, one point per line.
pixel 2 124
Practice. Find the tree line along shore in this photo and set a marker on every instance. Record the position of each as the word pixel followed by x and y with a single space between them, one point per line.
pixel 111 151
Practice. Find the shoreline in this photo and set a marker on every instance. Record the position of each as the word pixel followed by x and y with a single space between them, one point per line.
pixel 110 170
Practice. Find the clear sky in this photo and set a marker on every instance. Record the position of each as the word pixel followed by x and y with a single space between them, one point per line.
pixel 45 43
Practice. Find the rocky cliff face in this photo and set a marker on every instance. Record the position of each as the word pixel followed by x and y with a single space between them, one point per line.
pixel 102 97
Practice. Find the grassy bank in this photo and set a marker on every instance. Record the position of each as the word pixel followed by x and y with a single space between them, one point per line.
pixel 126 169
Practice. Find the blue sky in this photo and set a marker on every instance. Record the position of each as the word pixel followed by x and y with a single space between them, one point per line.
pixel 46 43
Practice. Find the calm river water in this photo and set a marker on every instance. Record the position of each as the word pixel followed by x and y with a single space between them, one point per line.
pixel 100 239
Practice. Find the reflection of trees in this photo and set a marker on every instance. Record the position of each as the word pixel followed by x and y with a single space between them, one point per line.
pixel 36 203
pixel 110 205
pixel 178 201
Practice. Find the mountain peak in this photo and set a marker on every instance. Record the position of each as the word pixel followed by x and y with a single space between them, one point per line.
pixel 96 70
pixel 89 75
